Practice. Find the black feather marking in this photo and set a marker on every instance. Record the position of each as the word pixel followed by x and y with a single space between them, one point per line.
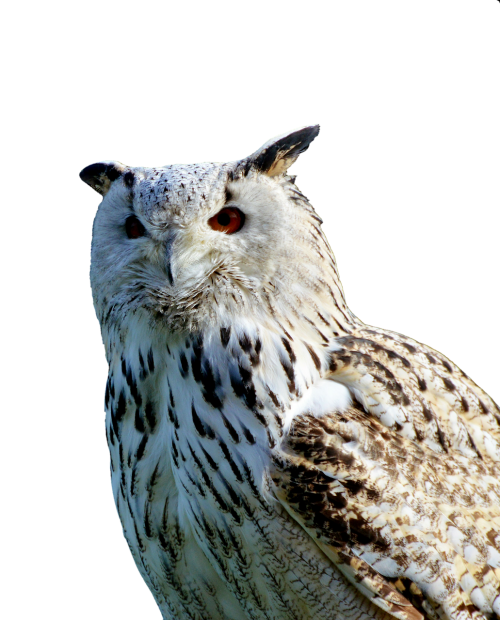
pixel 270 439
pixel 320 316
pixel 112 438
pixel 313 355
pixel 289 336
pixel 195 458
pixel 129 377
pixel 248 436
pixel 175 455
pixel 274 398
pixel 448 384
pixel 248 348
pixel 243 387
pixel 227 455
pixel 106 394
pixel 245 343
pixel 210 384
pixel 429 416
pixel 289 350
pixel 169 248
pixel 150 416
pixel 212 464
pixel 442 437
pixel 235 498
pixel 209 431
pixel 198 424
pixel 353 486
pixel 394 355
pixel 172 402
pixel 196 358
pixel 232 431
pixel 168 266
pixel 447 366
pixel 204 430
pixel 129 178
pixel 473 446
pixel 151 360
pixel 410 347
pixel 121 407
pixel 140 543
pixel 139 421
pixel 204 374
pixel 148 530
pixel 133 482
pixel 172 416
pixel 144 370
pixel 184 368
pixel 124 367
pixel 288 368
pixel 225 335
pixel 260 418
pixel 219 499
pixel 142 448
pixel 336 500
pixel 251 481
pixel 483 407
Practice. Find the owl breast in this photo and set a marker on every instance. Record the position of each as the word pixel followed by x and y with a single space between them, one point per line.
pixel 192 429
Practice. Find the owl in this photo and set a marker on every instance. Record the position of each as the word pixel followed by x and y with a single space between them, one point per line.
pixel 273 457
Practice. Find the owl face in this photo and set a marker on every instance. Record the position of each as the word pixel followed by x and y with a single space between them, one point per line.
pixel 195 243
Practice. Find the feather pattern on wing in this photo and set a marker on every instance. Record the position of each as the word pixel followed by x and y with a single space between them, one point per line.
pixel 401 489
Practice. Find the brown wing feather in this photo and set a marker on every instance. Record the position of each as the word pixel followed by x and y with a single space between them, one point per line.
pixel 320 504
pixel 430 398
pixel 402 490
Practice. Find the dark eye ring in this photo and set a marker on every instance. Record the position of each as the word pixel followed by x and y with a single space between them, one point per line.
pixel 229 220
pixel 134 228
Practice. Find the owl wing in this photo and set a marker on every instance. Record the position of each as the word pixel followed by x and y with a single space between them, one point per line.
pixel 401 489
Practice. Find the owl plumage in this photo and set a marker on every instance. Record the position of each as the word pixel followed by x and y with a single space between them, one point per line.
pixel 273 457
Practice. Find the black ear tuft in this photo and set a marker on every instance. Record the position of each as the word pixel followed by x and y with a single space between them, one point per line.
pixel 277 155
pixel 100 176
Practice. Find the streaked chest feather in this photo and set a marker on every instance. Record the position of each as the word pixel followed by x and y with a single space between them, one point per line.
pixel 192 426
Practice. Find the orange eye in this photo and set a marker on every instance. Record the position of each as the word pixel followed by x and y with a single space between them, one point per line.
pixel 229 220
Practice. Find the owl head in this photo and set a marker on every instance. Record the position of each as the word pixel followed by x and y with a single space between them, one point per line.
pixel 187 245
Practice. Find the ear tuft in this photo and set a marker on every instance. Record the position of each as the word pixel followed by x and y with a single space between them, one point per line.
pixel 100 176
pixel 277 155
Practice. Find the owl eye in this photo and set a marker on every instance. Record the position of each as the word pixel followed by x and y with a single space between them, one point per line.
pixel 134 228
pixel 229 220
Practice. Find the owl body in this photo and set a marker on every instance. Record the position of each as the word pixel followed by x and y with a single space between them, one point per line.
pixel 272 456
